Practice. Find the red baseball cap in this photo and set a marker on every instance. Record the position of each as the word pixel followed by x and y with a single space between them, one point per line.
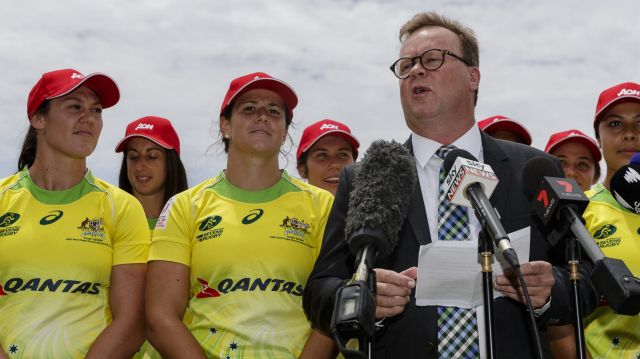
pixel 61 82
pixel 322 128
pixel 563 137
pixel 624 92
pixel 499 122
pixel 156 129
pixel 260 80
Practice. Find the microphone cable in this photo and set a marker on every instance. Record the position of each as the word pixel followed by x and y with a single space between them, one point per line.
pixel 532 318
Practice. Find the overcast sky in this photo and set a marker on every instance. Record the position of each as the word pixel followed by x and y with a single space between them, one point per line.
pixel 542 63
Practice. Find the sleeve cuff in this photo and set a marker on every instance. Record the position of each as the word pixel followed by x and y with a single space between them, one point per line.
pixel 540 311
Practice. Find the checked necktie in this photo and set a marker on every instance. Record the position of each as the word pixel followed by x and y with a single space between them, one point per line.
pixel 457 334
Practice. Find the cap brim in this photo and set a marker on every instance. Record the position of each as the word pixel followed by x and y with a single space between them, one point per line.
pixel 120 147
pixel 355 144
pixel 593 148
pixel 510 126
pixel 104 87
pixel 280 87
pixel 615 101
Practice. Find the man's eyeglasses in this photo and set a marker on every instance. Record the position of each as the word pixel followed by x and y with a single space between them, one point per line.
pixel 431 60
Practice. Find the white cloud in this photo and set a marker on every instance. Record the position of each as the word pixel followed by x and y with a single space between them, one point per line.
pixel 542 63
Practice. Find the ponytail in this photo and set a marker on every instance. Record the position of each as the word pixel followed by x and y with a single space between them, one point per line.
pixel 30 145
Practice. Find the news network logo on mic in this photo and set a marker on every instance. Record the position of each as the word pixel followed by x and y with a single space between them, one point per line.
pixel 463 173
pixel 625 185
pixel 554 191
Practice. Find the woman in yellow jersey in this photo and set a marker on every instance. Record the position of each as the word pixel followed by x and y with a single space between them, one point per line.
pixel 72 247
pixel 613 227
pixel 580 156
pixel 151 169
pixel 325 148
pixel 230 257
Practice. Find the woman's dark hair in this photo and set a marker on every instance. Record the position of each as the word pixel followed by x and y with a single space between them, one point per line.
pixel 596 175
pixel 30 144
pixel 229 110
pixel 176 175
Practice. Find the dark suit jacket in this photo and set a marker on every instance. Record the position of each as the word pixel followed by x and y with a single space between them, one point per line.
pixel 413 333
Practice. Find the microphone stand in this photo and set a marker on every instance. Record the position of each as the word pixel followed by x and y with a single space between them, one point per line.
pixel 573 258
pixel 485 250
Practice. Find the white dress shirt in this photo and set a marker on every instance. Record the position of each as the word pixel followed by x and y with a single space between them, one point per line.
pixel 428 168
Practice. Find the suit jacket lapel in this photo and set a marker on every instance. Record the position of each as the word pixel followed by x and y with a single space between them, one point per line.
pixel 495 157
pixel 416 212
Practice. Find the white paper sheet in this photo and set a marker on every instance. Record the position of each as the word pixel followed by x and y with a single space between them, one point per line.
pixel 449 272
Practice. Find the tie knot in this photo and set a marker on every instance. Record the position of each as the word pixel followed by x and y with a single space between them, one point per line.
pixel 443 151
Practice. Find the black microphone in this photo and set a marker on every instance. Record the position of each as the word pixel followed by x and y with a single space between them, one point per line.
pixel 558 204
pixel 469 183
pixel 625 185
pixel 378 204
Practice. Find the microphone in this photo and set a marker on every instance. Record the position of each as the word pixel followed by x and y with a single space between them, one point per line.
pixel 378 204
pixel 469 183
pixel 625 185
pixel 558 203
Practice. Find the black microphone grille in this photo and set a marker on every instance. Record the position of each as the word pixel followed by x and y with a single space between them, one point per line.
pixel 384 182
pixel 534 171
pixel 625 187
pixel 455 153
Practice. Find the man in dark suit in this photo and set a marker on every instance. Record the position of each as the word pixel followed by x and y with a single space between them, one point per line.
pixel 439 79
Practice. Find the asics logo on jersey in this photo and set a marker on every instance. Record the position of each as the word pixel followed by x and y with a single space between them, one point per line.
pixel 209 223
pixel 8 219
pixel 605 231
pixel 253 216
pixel 229 285
pixel 51 218
pixel 15 285
pixel 76 75
pixel 144 126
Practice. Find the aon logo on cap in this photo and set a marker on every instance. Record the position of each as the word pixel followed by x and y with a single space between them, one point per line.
pixel 144 126
pixel 329 126
pixel 625 92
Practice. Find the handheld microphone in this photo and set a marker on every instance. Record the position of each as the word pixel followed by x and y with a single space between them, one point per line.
pixel 378 204
pixel 625 185
pixel 469 183
pixel 558 203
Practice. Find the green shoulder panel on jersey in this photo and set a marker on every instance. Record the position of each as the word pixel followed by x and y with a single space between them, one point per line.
pixel 23 181
pixel 285 185
pixel 600 194
pixel 89 184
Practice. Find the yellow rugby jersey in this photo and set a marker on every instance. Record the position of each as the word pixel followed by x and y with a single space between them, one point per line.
pixel 617 232
pixel 57 249
pixel 250 254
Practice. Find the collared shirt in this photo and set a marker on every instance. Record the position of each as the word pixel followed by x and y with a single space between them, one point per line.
pixel 428 168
